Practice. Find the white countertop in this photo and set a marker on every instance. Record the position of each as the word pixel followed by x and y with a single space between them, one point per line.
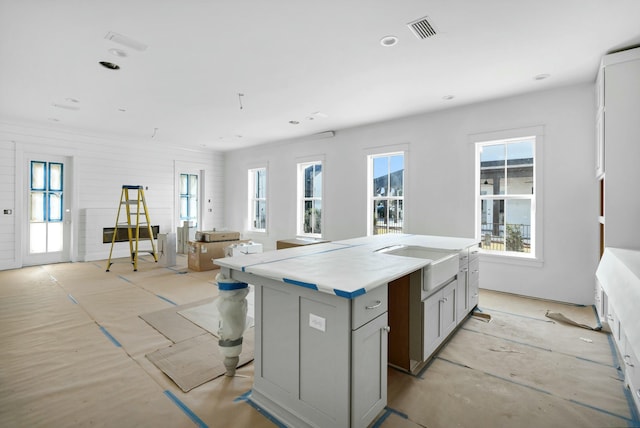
pixel 346 268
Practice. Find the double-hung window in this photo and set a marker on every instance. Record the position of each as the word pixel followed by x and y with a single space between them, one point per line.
pixel 386 193
pixel 506 195
pixel 310 199
pixel 258 199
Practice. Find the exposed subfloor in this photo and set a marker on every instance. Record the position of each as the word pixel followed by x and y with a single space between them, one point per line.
pixel 72 353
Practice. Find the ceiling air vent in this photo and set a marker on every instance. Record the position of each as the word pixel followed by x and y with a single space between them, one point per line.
pixel 422 28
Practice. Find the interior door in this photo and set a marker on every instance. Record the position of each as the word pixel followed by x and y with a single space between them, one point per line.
pixel 48 216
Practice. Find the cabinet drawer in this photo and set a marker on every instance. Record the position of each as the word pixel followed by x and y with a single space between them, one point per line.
pixel 474 271
pixel 366 307
pixel 463 258
pixel 474 253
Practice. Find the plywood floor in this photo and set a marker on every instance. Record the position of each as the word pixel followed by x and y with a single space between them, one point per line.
pixel 72 354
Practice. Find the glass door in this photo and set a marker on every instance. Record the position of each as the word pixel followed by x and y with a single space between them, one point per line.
pixel 47 234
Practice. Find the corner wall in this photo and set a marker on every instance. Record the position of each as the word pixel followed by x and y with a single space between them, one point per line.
pixel 101 165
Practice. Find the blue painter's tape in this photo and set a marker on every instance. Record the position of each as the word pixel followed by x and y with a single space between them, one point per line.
pixel 388 411
pixel 187 411
pixel 72 299
pixel 124 279
pixel 266 414
pixel 349 294
pixel 111 338
pixel 300 283
pixel 243 397
pixel 166 300
pixel 598 409
pixel 232 285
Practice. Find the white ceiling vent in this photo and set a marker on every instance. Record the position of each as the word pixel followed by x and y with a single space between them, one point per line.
pixel 422 28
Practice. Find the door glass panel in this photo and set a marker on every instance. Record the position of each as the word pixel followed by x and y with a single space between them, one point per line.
pixel 37 238
pixel 183 184
pixel 38 176
pixel 55 176
pixel 193 185
pixel 37 206
pixel 55 207
pixel 55 237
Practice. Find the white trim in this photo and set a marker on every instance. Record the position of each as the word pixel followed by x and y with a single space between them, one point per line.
pixel 250 199
pixel 301 166
pixel 537 132
pixel 385 151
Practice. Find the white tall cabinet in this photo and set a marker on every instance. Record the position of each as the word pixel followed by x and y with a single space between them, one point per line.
pixel 618 149
pixel 618 171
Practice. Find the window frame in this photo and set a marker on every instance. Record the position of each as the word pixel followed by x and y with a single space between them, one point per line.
pixel 536 134
pixel 371 198
pixel 253 199
pixel 302 198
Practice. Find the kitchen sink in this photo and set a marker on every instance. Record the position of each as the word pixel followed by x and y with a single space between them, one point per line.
pixel 444 263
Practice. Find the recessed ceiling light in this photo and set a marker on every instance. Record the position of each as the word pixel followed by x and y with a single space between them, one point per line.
pixel 109 65
pixel 122 109
pixel 72 100
pixel 388 41
pixel 53 119
pixel 294 122
pixel 118 52
pixel 541 76
pixel 448 97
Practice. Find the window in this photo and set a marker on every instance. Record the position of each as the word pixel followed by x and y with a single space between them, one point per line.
pixel 258 199
pixel 45 207
pixel 310 199
pixel 386 193
pixel 507 195
pixel 189 198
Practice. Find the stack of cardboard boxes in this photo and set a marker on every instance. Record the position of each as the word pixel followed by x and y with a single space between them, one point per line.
pixel 210 245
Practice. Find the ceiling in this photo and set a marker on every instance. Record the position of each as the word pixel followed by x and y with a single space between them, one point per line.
pixel 223 75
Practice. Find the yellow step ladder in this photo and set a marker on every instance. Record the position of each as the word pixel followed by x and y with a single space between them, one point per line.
pixel 137 218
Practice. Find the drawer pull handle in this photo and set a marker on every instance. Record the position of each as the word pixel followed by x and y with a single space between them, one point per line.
pixel 628 357
pixel 376 305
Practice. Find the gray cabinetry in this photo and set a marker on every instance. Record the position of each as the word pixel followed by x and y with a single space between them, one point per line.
pixel 439 317
pixel 323 358
pixel 468 287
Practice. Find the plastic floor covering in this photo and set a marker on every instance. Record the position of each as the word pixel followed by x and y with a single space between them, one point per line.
pixel 73 346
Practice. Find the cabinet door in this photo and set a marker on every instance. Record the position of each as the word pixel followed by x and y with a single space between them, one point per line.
pixel 474 283
pixel 369 371
pixel 448 309
pixel 432 327
pixel 463 294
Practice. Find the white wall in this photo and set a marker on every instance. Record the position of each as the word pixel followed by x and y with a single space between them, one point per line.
pixel 440 184
pixel 101 165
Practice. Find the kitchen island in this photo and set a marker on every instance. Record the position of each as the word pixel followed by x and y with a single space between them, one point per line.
pixel 321 324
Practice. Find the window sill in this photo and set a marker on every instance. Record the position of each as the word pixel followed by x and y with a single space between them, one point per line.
pixel 511 259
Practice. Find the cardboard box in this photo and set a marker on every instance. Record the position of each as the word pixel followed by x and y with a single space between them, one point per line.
pixel 297 242
pixel 216 235
pixel 201 254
